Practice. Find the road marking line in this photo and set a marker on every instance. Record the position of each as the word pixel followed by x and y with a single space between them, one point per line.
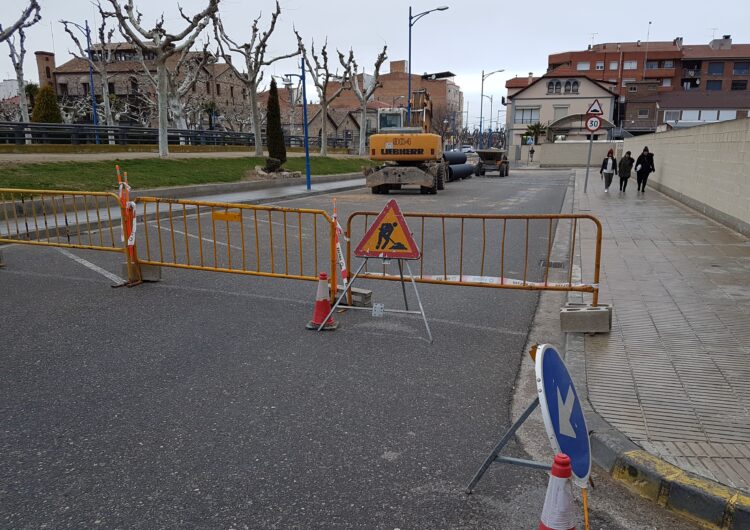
pixel 96 268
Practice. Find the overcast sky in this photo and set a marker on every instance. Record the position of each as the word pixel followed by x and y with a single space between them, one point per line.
pixel 470 36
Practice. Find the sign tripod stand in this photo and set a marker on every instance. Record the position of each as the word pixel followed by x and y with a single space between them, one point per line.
pixel 388 238
pixel 379 309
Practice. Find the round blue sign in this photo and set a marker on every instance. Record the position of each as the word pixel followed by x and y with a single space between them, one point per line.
pixel 562 412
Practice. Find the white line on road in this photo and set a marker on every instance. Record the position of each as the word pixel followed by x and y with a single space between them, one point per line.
pixel 96 268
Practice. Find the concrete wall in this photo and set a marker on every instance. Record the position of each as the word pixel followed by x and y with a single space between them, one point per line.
pixel 567 154
pixel 706 167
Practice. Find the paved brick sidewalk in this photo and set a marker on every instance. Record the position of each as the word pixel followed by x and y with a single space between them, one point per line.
pixel 674 374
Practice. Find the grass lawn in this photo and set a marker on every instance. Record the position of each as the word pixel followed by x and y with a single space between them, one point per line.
pixel 154 173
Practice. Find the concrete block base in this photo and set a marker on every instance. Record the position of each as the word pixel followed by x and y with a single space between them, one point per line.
pixel 585 318
pixel 149 273
pixel 360 297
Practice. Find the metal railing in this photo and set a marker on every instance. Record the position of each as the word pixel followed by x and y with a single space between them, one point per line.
pixel 247 239
pixel 79 134
pixel 74 219
pixel 476 252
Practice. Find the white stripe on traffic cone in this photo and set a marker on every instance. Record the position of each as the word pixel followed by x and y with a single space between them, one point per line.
pixel 558 512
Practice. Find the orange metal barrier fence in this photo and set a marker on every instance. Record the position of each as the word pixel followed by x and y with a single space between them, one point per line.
pixel 236 238
pixel 473 250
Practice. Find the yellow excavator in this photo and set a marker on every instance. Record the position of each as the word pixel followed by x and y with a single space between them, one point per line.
pixel 411 155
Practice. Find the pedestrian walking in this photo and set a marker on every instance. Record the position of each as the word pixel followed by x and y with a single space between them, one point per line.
pixel 608 169
pixel 644 166
pixel 624 168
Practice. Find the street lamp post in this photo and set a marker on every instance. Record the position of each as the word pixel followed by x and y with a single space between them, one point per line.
pixel 413 20
pixel 86 31
pixel 490 127
pixel 288 81
pixel 481 102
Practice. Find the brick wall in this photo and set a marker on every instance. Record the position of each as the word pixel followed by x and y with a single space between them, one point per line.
pixel 705 167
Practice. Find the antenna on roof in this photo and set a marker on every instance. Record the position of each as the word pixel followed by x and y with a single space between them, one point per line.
pixel 713 33
pixel 593 36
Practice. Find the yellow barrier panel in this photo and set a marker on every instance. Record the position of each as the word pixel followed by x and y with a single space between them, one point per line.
pixel 69 219
pixel 256 240
pixel 475 253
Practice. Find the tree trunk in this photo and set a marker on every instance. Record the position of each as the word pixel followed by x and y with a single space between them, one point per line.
pixel 323 126
pixel 256 119
pixel 22 102
pixel 162 94
pixel 177 111
pixel 363 131
pixel 109 120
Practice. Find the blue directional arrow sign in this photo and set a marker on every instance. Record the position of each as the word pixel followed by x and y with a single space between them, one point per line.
pixel 562 412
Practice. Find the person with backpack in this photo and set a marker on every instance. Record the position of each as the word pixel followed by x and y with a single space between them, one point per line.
pixel 608 169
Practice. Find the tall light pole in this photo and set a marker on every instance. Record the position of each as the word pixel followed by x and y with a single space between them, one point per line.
pixel 288 80
pixel 481 102
pixel 490 98
pixel 86 31
pixel 413 20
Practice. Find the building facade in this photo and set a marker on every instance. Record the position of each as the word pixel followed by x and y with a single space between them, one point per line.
pixel 558 102
pixel 217 93
pixel 647 72
pixel 446 95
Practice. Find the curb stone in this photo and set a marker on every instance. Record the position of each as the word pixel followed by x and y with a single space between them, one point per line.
pixel 703 501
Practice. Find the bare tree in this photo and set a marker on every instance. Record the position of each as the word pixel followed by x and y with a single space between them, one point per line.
pixel 17 55
pixel 161 45
pixel 322 77
pixel 99 59
pixel 24 21
pixel 254 54
pixel 181 78
pixel 365 92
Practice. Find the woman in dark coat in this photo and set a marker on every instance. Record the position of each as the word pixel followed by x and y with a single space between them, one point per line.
pixel 644 166
pixel 624 168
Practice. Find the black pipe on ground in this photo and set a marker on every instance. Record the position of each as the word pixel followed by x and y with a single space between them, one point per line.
pixel 460 171
pixel 454 157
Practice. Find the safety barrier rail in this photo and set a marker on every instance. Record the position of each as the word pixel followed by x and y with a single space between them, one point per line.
pixel 74 219
pixel 248 239
pixel 482 250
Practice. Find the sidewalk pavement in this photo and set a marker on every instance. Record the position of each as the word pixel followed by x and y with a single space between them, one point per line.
pixel 674 373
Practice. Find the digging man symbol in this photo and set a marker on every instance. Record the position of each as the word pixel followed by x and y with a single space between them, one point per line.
pixel 384 235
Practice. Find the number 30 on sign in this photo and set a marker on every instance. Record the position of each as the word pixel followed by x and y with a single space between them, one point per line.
pixel 593 123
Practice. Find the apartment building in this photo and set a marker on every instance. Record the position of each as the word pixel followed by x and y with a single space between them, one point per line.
pixel 649 71
pixel 218 88
pixel 446 95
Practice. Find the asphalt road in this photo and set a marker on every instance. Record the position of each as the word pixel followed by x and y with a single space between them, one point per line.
pixel 201 401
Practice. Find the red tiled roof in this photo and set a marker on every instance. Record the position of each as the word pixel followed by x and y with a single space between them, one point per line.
pixel 700 51
pixel 519 82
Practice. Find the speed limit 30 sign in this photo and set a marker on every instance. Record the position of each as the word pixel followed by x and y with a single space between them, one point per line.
pixel 593 123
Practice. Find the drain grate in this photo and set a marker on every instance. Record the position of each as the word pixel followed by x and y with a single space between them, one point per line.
pixel 552 264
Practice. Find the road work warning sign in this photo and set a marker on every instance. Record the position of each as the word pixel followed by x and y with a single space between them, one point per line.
pixel 388 237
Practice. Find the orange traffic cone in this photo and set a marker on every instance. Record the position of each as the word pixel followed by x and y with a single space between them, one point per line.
pixel 558 512
pixel 322 306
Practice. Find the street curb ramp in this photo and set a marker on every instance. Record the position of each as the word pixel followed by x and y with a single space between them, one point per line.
pixel 701 500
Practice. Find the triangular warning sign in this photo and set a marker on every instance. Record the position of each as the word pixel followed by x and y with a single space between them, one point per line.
pixel 595 108
pixel 388 237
